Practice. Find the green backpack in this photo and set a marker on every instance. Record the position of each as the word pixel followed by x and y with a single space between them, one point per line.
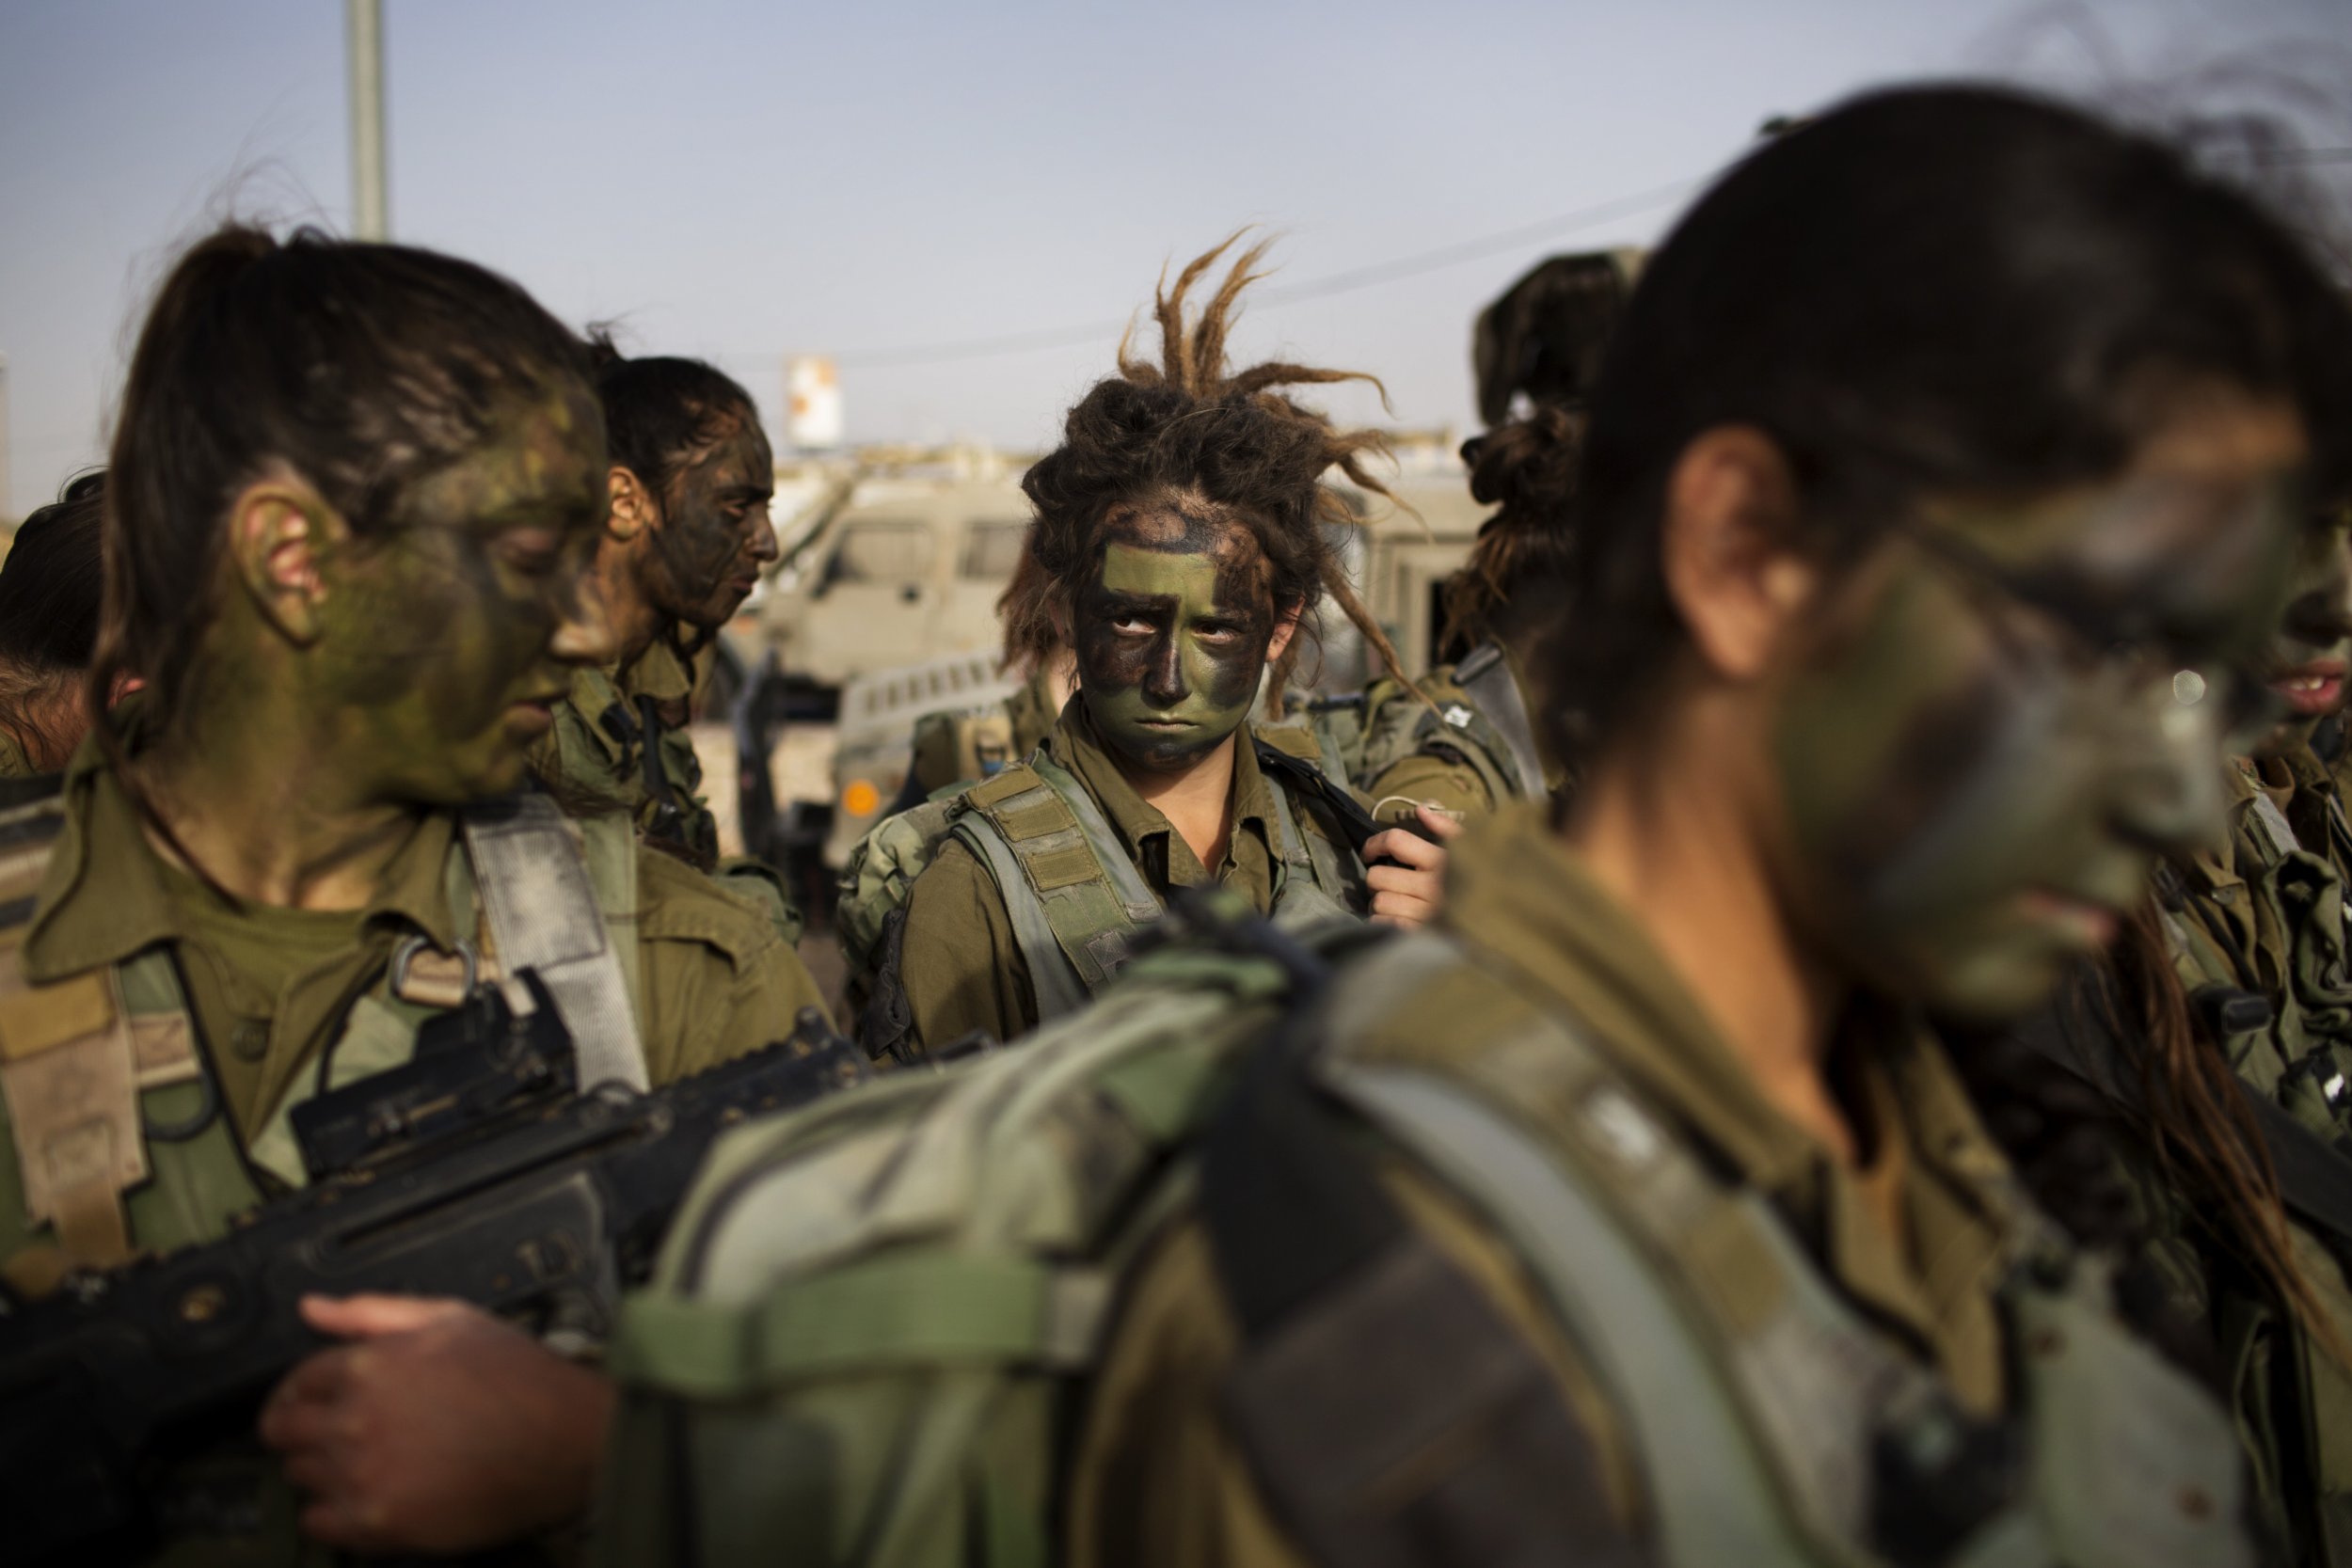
pixel 874 1325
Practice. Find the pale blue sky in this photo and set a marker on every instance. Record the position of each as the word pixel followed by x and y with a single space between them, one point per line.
pixel 739 181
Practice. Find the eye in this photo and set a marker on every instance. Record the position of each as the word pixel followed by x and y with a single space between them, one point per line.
pixel 534 551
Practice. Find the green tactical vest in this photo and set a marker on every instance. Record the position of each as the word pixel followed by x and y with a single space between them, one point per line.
pixel 178 1170
pixel 876 1319
pixel 1480 719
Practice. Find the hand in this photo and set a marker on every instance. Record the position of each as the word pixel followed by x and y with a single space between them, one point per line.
pixel 438 1429
pixel 1409 892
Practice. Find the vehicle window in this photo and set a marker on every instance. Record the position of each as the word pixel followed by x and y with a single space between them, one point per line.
pixel 880 550
pixel 992 548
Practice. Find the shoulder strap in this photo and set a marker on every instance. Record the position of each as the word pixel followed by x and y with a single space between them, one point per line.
pixel 1075 897
pixel 543 914
pixel 1486 674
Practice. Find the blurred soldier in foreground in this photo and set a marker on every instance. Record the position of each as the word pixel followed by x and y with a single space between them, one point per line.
pixel 49 592
pixel 1943 472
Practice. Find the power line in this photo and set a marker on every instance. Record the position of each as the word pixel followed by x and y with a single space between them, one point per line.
pixel 1314 288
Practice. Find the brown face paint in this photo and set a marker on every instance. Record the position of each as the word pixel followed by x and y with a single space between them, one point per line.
pixel 437 646
pixel 1171 634
pixel 715 534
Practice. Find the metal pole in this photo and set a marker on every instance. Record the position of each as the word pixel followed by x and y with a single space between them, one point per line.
pixel 364 23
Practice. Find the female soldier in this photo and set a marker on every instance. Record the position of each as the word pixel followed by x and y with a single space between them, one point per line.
pixel 49 587
pixel 1941 473
pixel 352 494
pixel 683 544
pixel 1466 741
pixel 1181 544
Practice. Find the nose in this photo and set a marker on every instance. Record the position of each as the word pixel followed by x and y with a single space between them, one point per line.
pixel 764 545
pixel 584 633
pixel 1164 677
pixel 2167 785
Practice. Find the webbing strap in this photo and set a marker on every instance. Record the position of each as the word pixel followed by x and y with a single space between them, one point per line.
pixel 1714 1500
pixel 925 1308
pixel 1054 982
pixel 2274 824
pixel 1486 674
pixel 544 915
pixel 1134 895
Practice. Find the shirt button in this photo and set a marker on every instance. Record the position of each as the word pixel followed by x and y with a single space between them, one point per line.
pixel 249 1040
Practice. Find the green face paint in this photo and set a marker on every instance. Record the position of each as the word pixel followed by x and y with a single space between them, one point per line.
pixel 437 645
pixel 2010 715
pixel 1171 636
pixel 2311 651
pixel 715 533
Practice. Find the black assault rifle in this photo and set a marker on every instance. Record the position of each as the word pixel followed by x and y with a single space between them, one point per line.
pixel 473 1171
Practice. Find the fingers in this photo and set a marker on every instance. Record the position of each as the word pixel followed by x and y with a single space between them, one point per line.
pixel 368 1317
pixel 1404 847
pixel 1445 824
pixel 300 1409
pixel 1404 896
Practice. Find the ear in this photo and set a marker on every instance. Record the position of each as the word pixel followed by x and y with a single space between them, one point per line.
pixel 633 511
pixel 1284 629
pixel 282 536
pixel 1731 511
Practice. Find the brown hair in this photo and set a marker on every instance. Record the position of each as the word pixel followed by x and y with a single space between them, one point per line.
pixel 1189 425
pixel 1527 469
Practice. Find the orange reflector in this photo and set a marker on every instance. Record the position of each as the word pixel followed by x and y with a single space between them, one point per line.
pixel 861 799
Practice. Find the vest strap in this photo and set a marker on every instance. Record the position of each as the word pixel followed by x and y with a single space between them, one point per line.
pixel 1486 674
pixel 543 914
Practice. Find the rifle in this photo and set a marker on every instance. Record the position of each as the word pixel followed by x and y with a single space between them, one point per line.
pixel 1347 813
pixel 472 1171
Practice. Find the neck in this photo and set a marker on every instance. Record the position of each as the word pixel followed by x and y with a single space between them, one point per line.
pixel 1693 875
pixel 263 801
pixel 634 620
pixel 1198 801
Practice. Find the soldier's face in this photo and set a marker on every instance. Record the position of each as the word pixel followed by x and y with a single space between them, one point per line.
pixel 449 644
pixel 2311 651
pixel 714 534
pixel 2010 712
pixel 1172 631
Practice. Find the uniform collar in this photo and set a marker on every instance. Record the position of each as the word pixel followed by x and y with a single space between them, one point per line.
pixel 658 673
pixel 104 897
pixel 1078 747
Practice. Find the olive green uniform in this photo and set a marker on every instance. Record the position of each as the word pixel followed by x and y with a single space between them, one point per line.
pixel 1622 1311
pixel 597 755
pixel 2265 915
pixel 964 969
pixel 1471 753
pixel 953 748
pixel 226 1014
pixel 14 762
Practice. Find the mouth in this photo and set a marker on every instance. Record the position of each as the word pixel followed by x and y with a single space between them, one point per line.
pixel 1166 726
pixel 2082 922
pixel 535 715
pixel 2312 690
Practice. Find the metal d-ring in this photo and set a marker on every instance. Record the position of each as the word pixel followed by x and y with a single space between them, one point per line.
pixel 407 951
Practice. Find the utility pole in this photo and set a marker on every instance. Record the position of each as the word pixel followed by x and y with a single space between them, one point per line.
pixel 364 26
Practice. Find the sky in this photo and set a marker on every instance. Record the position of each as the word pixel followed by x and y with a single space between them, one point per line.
pixel 884 182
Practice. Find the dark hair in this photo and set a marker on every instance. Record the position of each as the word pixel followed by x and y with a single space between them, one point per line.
pixel 50 584
pixel 1925 291
pixel 660 413
pixel 365 369
pixel 1192 426
pixel 1527 470
pixel 1546 334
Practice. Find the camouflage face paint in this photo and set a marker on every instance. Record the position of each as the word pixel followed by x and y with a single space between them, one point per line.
pixel 1977 782
pixel 1171 633
pixel 438 644
pixel 715 534
pixel 2311 649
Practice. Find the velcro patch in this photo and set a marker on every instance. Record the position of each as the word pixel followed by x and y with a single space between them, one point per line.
pixel 1062 868
pixel 34 1018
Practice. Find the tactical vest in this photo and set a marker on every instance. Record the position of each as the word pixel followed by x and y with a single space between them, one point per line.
pixel 1076 900
pixel 119 1141
pixel 1480 720
pixel 876 1321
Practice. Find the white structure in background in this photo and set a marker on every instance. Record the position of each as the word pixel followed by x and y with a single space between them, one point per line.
pixel 812 398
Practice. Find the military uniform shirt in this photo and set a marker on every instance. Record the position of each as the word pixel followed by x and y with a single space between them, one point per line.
pixel 716 981
pixel 596 766
pixel 962 967
pixel 1159 1480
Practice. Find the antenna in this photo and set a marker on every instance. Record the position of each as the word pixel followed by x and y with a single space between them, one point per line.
pixel 364 28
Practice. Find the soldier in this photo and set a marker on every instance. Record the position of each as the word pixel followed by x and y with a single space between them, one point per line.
pixel 354 492
pixel 2241 970
pixel 1177 548
pixel 1465 740
pixel 683 547
pixel 49 586
pixel 1941 477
